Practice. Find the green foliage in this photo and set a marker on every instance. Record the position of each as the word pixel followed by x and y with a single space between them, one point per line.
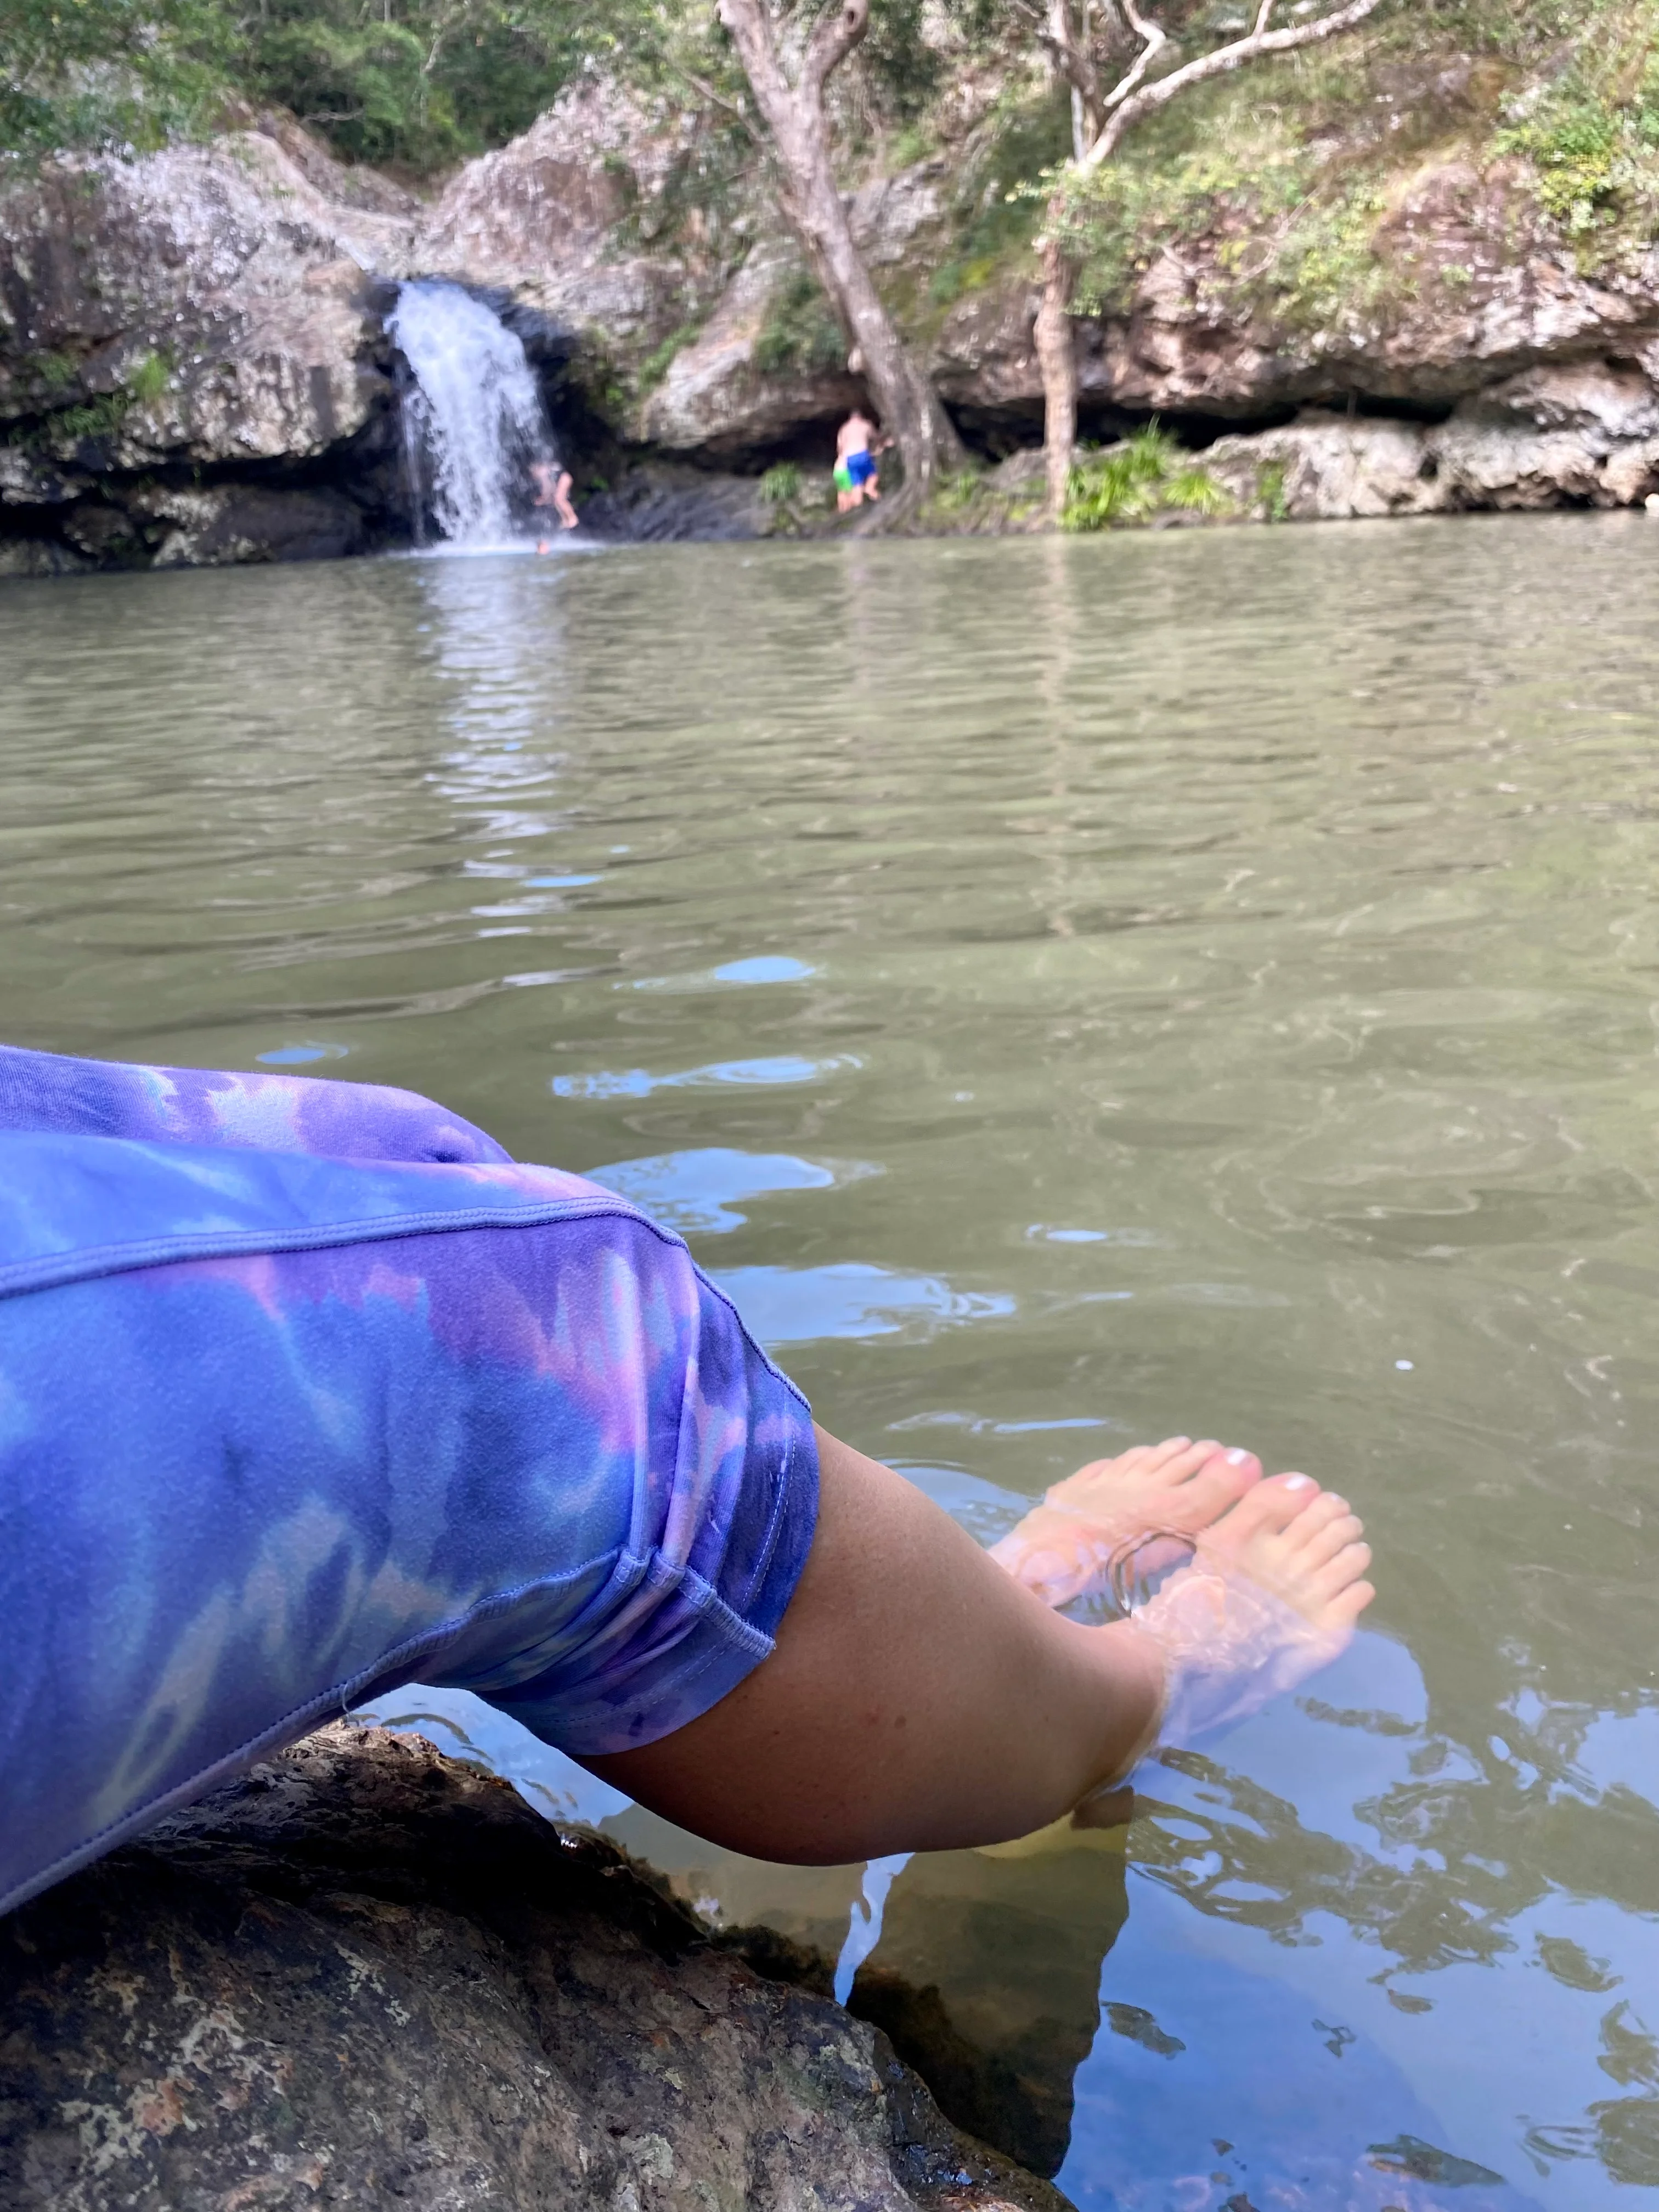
pixel 1181 180
pixel 62 427
pixel 1270 491
pixel 1000 197
pixel 1146 475
pixel 415 82
pixel 1592 138
pixel 146 381
pixel 782 484
pixel 902 67
pixel 959 492
pixel 800 333
pixel 657 363
pixel 1324 262
pixel 112 74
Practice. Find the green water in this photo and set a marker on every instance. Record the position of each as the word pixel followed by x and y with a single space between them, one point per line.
pixel 1069 993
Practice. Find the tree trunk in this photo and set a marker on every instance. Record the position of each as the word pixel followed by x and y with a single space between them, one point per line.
pixel 910 410
pixel 1057 360
pixel 1130 99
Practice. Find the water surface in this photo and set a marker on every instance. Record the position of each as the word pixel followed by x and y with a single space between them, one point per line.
pixel 1067 992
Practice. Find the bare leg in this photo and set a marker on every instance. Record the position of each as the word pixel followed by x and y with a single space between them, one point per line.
pixel 920 1700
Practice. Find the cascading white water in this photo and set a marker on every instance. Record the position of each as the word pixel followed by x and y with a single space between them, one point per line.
pixel 473 421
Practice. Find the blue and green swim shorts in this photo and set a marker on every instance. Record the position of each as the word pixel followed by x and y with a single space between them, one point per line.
pixel 307 1390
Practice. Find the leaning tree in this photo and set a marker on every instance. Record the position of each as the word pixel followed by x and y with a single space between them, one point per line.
pixel 1102 119
pixel 798 131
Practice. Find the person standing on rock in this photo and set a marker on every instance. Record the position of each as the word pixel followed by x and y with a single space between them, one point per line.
pixel 553 491
pixel 307 1390
pixel 857 475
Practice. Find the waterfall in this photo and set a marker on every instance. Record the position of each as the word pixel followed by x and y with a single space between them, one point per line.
pixel 473 419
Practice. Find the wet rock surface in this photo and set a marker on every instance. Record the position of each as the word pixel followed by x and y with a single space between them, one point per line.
pixel 365 1975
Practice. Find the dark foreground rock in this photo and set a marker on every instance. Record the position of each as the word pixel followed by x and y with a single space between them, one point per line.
pixel 367 1975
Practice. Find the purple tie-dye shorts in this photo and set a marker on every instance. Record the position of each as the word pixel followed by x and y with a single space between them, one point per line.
pixel 307 1390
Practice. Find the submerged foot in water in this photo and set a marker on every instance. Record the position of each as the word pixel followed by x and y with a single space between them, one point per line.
pixel 1064 1548
pixel 1273 1593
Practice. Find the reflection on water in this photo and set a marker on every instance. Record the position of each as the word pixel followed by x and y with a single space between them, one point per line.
pixel 1066 992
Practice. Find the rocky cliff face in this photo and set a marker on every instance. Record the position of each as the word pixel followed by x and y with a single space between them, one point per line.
pixel 192 357
pixel 367 1974
pixel 194 365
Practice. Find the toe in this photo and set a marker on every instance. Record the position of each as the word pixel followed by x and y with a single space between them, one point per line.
pixel 1328 1582
pixel 1325 1511
pixel 1272 1504
pixel 1174 1468
pixel 1243 1467
pixel 1343 1610
pixel 1326 1542
pixel 1197 1503
pixel 1171 1447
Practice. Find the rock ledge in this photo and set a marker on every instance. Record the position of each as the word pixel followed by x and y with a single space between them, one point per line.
pixel 366 1974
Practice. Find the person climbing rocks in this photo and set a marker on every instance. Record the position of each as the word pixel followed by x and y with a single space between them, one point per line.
pixel 553 486
pixel 311 1391
pixel 857 471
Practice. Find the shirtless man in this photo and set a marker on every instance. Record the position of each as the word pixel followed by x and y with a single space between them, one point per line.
pixel 856 448
pixel 553 489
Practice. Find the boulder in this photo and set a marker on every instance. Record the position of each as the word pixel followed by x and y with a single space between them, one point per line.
pixel 366 1974
pixel 1579 434
pixel 206 305
pixel 223 523
pixel 715 396
pixel 39 556
pixel 568 220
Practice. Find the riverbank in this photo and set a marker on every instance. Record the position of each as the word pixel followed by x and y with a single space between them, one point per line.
pixel 369 1971
pixel 1380 283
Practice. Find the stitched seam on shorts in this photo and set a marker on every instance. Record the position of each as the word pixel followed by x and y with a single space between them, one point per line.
pixel 295 1722
pixel 575 1716
pixel 780 1502
pixel 662 1574
pixel 56 1270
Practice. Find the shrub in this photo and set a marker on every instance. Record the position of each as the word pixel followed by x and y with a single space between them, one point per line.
pixel 1146 475
pixel 781 485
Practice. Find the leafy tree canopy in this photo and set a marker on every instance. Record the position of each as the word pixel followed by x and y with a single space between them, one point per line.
pixel 412 84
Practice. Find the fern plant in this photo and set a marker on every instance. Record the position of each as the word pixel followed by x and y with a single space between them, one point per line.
pixel 1147 474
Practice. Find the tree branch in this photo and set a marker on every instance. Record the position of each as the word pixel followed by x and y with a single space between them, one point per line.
pixel 833 37
pixel 719 99
pixel 1217 63
pixel 1155 38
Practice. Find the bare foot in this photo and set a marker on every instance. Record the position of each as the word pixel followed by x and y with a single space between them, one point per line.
pixel 1064 1546
pixel 1273 1593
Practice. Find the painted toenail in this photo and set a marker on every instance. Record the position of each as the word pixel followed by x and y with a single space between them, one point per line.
pixel 1299 1482
pixel 1236 1458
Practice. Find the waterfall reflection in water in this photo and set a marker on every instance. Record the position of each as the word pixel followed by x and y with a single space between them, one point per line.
pixel 1069 991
